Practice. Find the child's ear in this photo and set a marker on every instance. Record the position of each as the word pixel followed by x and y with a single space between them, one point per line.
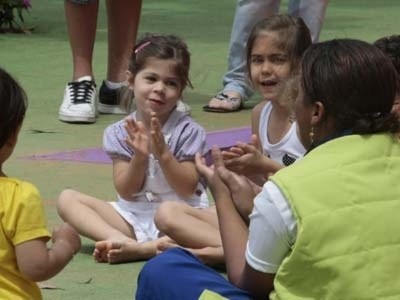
pixel 130 78
pixel 318 114
pixel 12 140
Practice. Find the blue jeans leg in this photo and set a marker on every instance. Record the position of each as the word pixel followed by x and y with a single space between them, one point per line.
pixel 312 12
pixel 177 274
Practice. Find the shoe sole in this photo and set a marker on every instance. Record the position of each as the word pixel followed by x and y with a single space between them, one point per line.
pixel 110 109
pixel 76 119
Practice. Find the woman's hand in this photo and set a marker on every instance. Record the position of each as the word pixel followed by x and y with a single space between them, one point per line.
pixel 217 186
pixel 242 191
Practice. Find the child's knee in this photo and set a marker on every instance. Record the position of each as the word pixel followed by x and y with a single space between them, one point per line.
pixel 65 199
pixel 166 215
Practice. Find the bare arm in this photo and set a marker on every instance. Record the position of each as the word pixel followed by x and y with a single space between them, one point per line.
pixel 239 272
pixel 229 219
pixel 129 177
pixel 181 176
pixel 39 263
pixel 255 118
pixel 259 284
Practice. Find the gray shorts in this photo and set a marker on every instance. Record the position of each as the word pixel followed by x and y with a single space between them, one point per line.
pixel 82 1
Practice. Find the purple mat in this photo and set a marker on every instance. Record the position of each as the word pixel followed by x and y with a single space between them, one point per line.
pixel 221 138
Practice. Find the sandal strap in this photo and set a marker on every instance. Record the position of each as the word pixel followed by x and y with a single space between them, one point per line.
pixel 236 102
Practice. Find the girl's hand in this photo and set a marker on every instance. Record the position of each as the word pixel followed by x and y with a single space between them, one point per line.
pixel 245 159
pixel 159 147
pixel 137 138
pixel 233 152
pixel 65 233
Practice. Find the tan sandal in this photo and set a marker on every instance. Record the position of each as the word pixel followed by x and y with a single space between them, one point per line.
pixel 235 103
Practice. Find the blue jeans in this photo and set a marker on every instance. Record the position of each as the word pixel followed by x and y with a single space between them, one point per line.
pixel 248 13
pixel 177 274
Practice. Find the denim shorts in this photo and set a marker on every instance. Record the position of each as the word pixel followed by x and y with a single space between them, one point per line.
pixel 82 1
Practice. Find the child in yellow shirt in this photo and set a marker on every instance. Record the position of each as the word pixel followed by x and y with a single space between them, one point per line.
pixel 24 255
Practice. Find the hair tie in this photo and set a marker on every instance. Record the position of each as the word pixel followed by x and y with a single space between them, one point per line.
pixel 142 46
pixel 375 115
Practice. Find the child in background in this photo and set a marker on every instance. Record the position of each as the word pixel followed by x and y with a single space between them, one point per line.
pixel 262 158
pixel 275 48
pixel 23 231
pixel 390 45
pixel 153 153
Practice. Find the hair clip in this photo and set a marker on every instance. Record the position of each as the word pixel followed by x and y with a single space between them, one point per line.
pixel 140 47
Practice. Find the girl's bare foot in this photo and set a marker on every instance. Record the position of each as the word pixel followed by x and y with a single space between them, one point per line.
pixel 104 249
pixel 165 245
pixel 126 250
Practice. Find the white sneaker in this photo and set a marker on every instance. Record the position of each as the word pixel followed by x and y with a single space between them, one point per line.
pixel 183 107
pixel 79 103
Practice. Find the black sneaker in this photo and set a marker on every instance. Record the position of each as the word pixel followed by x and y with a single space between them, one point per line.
pixel 109 100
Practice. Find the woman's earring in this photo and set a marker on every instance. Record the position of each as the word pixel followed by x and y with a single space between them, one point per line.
pixel 311 134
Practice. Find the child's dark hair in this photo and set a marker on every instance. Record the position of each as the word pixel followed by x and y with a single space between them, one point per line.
pixel 355 81
pixel 13 103
pixel 293 36
pixel 390 45
pixel 162 47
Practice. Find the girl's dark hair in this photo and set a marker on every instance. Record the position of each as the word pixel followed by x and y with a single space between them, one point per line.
pixel 355 81
pixel 390 45
pixel 162 47
pixel 293 34
pixel 13 103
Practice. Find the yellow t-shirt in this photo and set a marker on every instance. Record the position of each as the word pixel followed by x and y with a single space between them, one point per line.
pixel 22 218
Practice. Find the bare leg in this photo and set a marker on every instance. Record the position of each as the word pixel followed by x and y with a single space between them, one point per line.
pixel 123 22
pixel 92 217
pixel 188 226
pixel 81 24
pixel 209 255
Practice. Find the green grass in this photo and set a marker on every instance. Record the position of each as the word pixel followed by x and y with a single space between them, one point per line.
pixel 42 63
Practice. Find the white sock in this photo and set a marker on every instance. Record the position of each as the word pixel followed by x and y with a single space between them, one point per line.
pixel 114 85
pixel 87 77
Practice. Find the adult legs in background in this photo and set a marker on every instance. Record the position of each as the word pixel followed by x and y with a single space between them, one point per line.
pixel 312 12
pixel 80 93
pixel 81 24
pixel 123 23
pixel 79 103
